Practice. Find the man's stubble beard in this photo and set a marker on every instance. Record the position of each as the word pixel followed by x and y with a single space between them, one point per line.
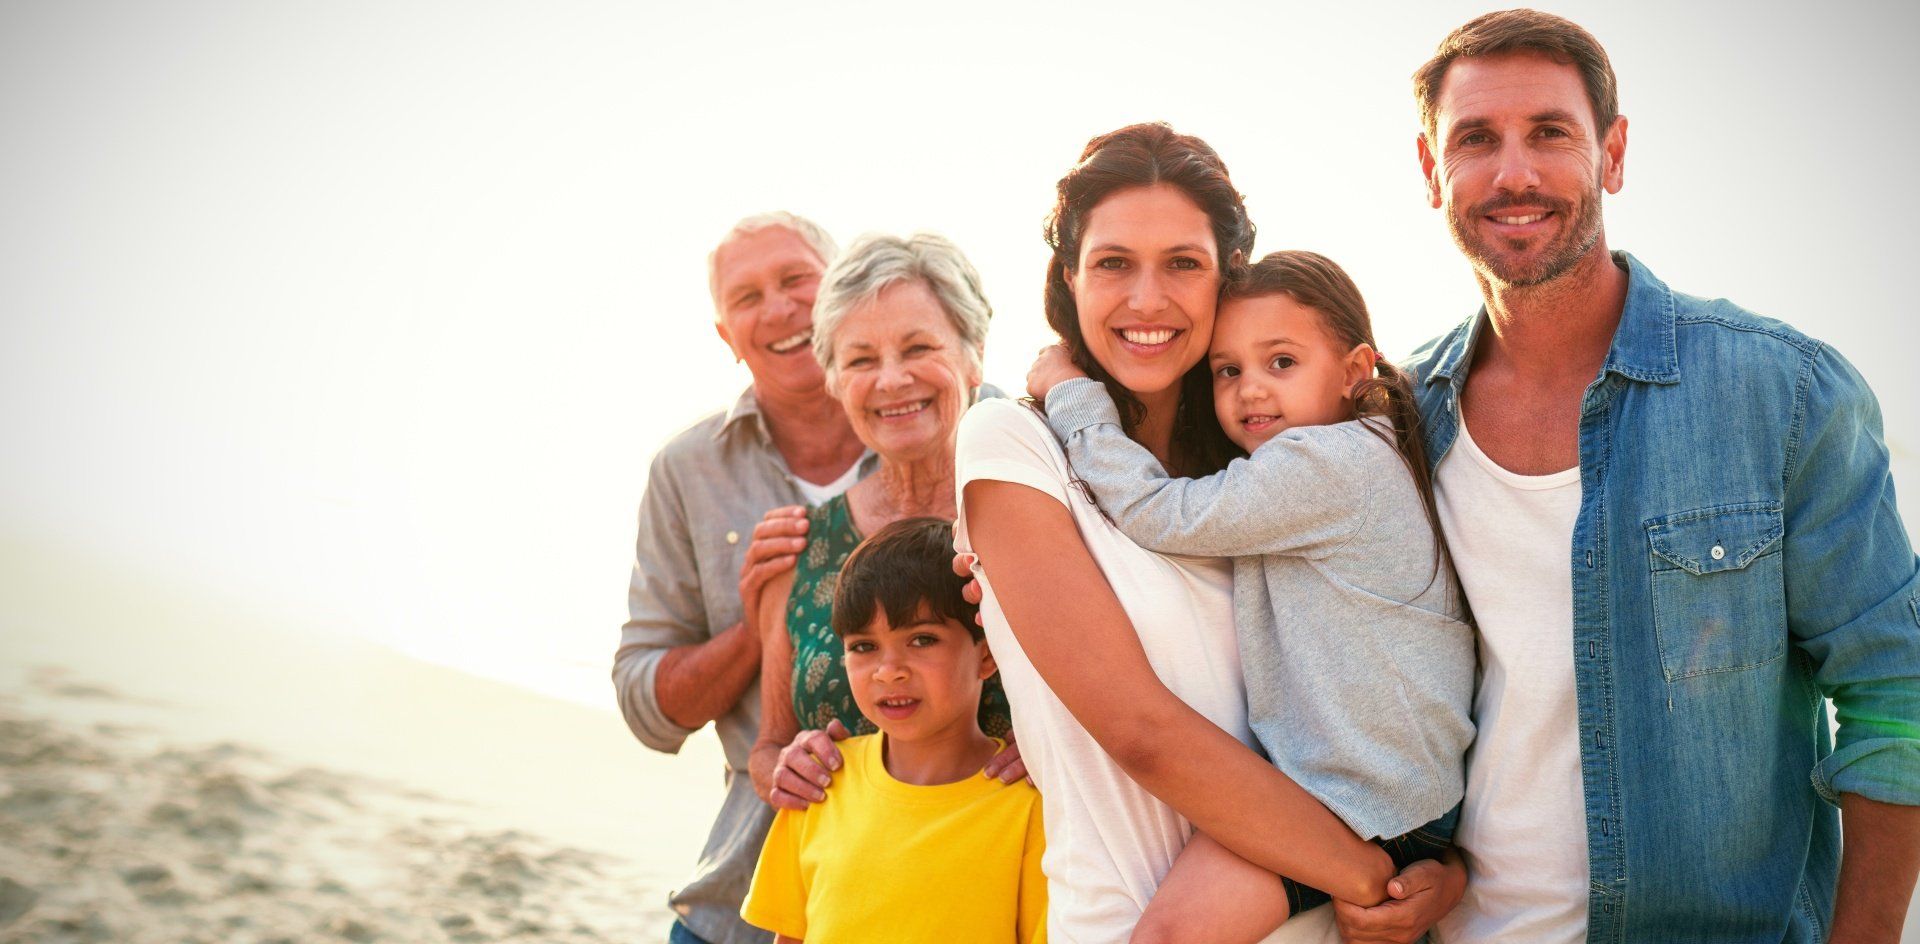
pixel 1560 255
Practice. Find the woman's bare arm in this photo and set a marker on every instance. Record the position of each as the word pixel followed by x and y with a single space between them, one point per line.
pixel 1077 636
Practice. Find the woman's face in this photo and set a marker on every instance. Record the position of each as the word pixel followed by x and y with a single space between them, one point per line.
pixel 903 374
pixel 1145 284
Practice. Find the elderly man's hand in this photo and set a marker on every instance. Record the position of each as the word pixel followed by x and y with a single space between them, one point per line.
pixel 1053 366
pixel 1418 898
pixel 777 542
pixel 806 767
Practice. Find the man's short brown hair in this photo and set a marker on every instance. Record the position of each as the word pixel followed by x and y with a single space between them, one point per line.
pixel 1559 39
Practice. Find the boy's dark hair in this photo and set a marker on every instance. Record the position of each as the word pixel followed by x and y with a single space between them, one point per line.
pixel 903 567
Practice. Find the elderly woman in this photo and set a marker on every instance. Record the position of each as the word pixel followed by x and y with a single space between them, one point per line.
pixel 898 328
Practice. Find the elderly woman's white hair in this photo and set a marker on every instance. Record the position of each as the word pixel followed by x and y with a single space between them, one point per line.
pixel 877 260
pixel 811 233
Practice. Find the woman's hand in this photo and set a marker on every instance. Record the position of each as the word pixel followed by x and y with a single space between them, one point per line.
pixel 1417 898
pixel 1053 366
pixel 1007 765
pixel 806 767
pixel 777 542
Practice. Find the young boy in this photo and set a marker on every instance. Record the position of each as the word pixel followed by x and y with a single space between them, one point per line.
pixel 912 843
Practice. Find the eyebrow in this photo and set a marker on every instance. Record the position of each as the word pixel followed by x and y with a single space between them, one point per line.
pixel 909 336
pixel 1116 247
pixel 1550 116
pixel 1270 342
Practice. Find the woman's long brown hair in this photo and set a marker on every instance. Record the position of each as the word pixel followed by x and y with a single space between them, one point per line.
pixel 1139 156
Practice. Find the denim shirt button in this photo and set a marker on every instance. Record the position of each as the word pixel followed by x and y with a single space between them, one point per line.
pixel 1718 552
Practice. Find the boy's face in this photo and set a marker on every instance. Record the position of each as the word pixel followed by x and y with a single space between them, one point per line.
pixel 1276 366
pixel 917 680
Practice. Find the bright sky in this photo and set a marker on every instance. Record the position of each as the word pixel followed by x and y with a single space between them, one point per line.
pixel 375 313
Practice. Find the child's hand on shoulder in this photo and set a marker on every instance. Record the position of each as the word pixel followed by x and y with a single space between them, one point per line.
pixel 1050 369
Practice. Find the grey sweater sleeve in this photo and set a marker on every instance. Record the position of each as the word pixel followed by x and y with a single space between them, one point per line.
pixel 1307 491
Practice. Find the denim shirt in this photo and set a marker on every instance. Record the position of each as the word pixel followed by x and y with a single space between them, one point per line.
pixel 1737 560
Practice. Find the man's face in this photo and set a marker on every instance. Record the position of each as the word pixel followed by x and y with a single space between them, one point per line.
pixel 766 281
pixel 1516 163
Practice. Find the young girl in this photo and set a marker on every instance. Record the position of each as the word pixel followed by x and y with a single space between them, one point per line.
pixel 1359 669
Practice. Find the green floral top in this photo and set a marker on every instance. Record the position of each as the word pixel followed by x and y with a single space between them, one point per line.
pixel 821 692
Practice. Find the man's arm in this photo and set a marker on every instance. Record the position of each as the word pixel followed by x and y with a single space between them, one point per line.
pixel 668 676
pixel 1289 496
pixel 1853 605
pixel 1880 857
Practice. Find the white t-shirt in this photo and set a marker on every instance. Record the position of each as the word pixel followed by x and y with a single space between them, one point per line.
pixel 1523 827
pixel 816 494
pixel 1109 842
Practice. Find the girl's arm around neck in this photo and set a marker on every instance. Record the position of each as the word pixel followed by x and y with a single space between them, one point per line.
pixel 1297 494
pixel 1074 631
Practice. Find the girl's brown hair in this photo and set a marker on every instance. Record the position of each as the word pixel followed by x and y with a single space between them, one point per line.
pixel 1138 156
pixel 1319 283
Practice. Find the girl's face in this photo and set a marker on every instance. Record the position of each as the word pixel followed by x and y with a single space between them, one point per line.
pixel 1276 366
pixel 1145 284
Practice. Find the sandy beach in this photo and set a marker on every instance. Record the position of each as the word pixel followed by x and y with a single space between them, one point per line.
pixel 174 768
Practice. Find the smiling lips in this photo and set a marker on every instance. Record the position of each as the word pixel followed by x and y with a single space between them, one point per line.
pixel 1149 339
pixel 1258 422
pixel 793 342
pixel 897 707
pixel 905 409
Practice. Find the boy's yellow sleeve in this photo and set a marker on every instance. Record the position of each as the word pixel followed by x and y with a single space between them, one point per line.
pixel 777 900
pixel 1033 882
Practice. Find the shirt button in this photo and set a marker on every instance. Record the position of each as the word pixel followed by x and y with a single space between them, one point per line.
pixel 733 537
pixel 1718 552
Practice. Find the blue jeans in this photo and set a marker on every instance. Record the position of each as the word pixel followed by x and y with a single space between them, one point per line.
pixel 680 935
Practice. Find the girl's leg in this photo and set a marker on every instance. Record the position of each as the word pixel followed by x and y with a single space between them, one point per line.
pixel 1214 896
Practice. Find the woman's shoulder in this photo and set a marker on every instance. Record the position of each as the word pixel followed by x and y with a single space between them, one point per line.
pixel 998 428
pixel 1004 416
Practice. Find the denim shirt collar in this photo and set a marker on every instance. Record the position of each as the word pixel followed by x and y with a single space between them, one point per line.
pixel 1643 345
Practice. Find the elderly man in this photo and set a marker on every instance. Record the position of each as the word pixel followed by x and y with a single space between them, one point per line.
pixel 1674 522
pixel 685 657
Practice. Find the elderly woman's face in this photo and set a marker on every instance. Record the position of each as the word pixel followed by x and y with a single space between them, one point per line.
pixel 903 373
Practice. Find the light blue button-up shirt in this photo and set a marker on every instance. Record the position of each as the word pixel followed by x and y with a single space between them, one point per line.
pixel 1737 560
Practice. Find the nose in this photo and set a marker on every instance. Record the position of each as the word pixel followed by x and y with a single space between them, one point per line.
pixel 1251 389
pixel 889 669
pixel 1149 294
pixel 1516 172
pixel 893 374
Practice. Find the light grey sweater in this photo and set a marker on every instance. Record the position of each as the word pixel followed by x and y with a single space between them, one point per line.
pixel 1359 669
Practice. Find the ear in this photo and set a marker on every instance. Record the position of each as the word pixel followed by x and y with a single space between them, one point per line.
pixel 987 665
pixel 974 370
pixel 1613 154
pixel 1428 167
pixel 720 328
pixel 1359 365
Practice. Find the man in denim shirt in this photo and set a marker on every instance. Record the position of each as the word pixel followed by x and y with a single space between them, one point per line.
pixel 1676 528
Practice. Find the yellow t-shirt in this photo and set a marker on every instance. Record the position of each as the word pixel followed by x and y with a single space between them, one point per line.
pixel 885 861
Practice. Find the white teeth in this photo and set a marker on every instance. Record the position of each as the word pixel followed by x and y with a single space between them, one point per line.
pixel 904 410
pixel 1148 335
pixel 1521 220
pixel 784 345
pixel 1256 419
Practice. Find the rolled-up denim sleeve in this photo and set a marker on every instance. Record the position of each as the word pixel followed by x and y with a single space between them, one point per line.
pixel 1853 601
pixel 664 610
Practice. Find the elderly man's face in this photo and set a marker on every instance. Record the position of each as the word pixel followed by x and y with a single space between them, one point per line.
pixel 767 280
pixel 1515 161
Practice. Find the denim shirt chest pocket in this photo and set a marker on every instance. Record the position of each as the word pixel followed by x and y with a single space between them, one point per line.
pixel 1718 588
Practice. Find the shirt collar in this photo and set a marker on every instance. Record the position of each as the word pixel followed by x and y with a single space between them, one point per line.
pixel 1643 345
pixel 745 411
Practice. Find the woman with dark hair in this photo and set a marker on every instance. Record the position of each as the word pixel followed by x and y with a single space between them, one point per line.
pixel 1122 664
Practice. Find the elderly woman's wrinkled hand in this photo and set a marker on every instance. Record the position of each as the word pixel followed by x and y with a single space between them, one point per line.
pixel 777 542
pixel 806 767
pixel 1050 369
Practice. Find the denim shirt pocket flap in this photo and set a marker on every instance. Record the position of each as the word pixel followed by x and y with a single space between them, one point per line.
pixel 1716 539
pixel 1719 593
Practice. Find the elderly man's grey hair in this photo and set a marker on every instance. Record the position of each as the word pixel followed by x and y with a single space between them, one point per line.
pixel 811 233
pixel 877 260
